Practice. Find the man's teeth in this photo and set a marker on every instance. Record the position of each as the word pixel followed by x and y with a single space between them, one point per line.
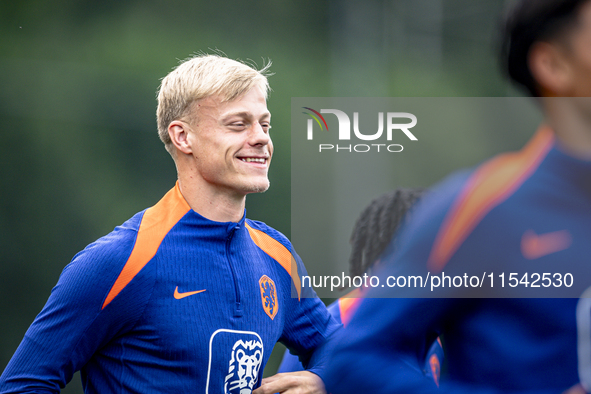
pixel 253 160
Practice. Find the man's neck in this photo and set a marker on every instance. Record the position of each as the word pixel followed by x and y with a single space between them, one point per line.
pixel 219 207
pixel 570 117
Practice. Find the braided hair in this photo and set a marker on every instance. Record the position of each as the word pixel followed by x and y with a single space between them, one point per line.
pixel 376 225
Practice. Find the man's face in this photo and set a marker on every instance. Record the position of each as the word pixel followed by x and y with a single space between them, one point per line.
pixel 577 54
pixel 231 145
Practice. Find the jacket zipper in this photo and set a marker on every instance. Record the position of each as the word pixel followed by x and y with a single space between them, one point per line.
pixel 237 305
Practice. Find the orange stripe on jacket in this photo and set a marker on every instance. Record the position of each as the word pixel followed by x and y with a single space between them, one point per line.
pixel 156 223
pixel 277 251
pixel 348 304
pixel 492 183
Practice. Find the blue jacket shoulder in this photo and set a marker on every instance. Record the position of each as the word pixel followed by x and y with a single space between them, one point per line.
pixel 270 231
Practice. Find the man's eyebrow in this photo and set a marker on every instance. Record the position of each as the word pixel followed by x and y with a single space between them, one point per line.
pixel 244 114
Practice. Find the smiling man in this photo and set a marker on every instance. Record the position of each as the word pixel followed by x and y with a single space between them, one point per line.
pixel 188 295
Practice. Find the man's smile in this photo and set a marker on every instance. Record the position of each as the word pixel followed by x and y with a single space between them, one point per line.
pixel 259 161
pixel 254 160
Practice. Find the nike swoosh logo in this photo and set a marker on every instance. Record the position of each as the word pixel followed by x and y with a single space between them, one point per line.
pixel 178 295
pixel 534 246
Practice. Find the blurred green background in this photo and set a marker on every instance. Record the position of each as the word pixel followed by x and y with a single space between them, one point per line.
pixel 79 150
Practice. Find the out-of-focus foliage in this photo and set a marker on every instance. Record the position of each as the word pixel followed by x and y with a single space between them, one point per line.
pixel 79 152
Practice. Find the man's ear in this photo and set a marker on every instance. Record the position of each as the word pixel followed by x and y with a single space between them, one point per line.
pixel 549 65
pixel 179 135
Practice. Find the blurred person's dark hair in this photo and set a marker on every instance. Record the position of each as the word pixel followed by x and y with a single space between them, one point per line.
pixel 376 226
pixel 526 22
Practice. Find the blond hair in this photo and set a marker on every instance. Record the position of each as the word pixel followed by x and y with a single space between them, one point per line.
pixel 199 77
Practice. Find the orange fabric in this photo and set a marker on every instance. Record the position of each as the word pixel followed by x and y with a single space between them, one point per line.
pixel 490 185
pixel 278 252
pixel 348 305
pixel 435 367
pixel 156 223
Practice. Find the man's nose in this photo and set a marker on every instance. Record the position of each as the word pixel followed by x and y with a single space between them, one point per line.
pixel 259 136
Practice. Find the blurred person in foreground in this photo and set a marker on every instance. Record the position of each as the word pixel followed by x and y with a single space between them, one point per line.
pixel 526 212
pixel 188 295
pixel 373 230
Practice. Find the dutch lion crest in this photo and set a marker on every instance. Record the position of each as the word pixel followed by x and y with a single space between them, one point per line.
pixel 245 363
pixel 268 296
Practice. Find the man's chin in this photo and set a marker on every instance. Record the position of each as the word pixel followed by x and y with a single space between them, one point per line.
pixel 260 187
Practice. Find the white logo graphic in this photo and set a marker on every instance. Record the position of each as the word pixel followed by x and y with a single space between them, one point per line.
pixel 345 125
pixel 244 367
pixel 235 360
pixel 388 124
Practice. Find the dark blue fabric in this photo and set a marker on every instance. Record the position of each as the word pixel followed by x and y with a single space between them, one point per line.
pixel 509 345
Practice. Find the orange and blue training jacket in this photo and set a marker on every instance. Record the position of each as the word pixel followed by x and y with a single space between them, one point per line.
pixel 522 219
pixel 172 302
